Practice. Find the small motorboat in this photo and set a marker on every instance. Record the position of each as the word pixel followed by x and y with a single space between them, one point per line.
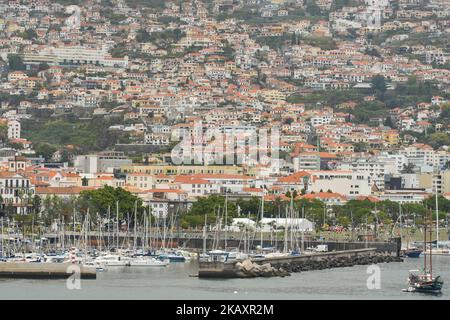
pixel 412 252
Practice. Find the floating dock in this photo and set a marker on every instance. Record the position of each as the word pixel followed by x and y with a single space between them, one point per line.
pixel 24 270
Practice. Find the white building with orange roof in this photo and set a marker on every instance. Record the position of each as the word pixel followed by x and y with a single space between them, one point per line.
pixel 16 191
pixel 329 198
pixel 100 181
pixel 61 192
pixel 423 156
pixel 140 180
pixel 195 186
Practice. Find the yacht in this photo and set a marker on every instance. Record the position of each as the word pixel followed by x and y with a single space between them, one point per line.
pixel 173 256
pixel 113 260
pixel 148 262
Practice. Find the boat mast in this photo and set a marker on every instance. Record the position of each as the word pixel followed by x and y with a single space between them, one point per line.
pixel 33 243
pixel 86 221
pixel 425 243
pixel 204 237
pixel 431 251
pixel 437 220
pixel 117 225
pixel 226 219
pixel 262 217
pixel 150 229
pixel 303 230
pixel 164 231
pixel 291 219
pixel 400 217
pixel 134 228
pixel 144 233
pixel 73 226
pixel 109 223
pixel 63 238
pixel 99 233
pixel 3 252
pixel 285 231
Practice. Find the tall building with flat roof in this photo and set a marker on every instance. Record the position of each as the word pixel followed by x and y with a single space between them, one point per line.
pixel 102 162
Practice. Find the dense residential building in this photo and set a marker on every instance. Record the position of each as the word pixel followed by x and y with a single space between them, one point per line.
pixel 190 100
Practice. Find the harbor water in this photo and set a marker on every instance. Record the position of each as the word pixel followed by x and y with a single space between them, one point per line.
pixel 176 282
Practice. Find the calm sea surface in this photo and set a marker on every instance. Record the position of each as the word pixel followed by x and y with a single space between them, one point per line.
pixel 174 282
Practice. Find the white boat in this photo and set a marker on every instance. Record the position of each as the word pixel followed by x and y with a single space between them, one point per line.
pixel 55 258
pixel 99 267
pixel 113 260
pixel 237 256
pixel 438 252
pixel 148 262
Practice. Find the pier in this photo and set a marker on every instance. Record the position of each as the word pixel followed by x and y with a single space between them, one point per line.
pixel 20 270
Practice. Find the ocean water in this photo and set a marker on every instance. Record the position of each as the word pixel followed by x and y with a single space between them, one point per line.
pixel 174 282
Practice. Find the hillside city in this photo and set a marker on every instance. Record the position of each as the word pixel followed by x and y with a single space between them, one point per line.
pixel 342 106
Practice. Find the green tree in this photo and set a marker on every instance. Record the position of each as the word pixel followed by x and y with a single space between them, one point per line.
pixel 29 34
pixel 408 168
pixel 438 139
pixel 361 147
pixel 100 200
pixel 3 132
pixel 379 86
pixel 45 150
pixel 15 62
pixel 37 202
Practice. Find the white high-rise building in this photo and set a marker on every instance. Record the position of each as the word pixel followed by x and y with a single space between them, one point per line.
pixel 14 129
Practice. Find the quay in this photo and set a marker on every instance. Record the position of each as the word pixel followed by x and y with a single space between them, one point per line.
pixel 20 270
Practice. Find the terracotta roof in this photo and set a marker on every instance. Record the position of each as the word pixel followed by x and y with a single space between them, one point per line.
pixel 62 190
pixel 324 195
pixel 370 198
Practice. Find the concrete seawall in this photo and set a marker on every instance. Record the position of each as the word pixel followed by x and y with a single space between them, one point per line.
pixel 25 270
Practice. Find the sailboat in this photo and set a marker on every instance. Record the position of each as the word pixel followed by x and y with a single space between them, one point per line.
pixel 410 252
pixel 442 248
pixel 425 282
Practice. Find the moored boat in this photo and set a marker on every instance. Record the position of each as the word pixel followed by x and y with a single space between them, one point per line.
pixel 412 252
pixel 424 283
pixel 148 262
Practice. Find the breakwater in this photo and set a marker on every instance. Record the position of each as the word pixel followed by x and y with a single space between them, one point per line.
pixel 336 259
pixel 282 266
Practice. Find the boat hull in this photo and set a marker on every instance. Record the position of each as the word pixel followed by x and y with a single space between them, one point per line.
pixel 412 253
pixel 433 286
